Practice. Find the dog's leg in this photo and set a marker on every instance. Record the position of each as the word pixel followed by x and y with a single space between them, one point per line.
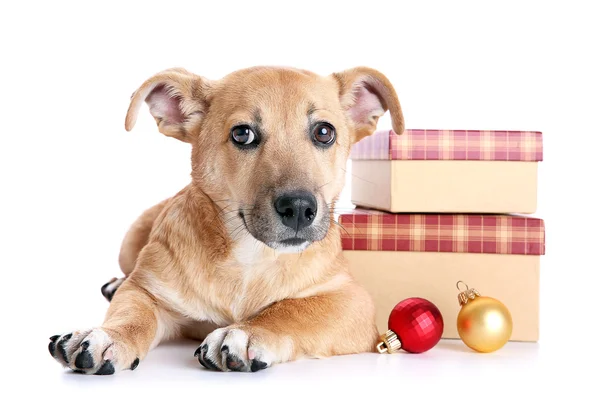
pixel 135 239
pixel 133 324
pixel 340 322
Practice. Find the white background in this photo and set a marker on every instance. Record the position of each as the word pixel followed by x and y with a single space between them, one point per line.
pixel 73 180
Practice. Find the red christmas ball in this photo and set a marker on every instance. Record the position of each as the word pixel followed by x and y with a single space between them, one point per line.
pixel 417 323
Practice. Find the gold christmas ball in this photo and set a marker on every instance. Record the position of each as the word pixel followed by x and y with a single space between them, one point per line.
pixel 484 324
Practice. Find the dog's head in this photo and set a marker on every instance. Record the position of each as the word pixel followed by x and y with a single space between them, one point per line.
pixel 269 144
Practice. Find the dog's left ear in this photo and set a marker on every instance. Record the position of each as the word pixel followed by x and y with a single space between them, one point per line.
pixel 365 95
pixel 176 99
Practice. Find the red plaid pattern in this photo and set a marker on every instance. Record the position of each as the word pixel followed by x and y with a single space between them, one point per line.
pixel 421 144
pixel 488 234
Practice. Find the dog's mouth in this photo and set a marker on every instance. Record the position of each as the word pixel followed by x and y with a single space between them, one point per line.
pixel 293 241
pixel 294 244
pixel 287 248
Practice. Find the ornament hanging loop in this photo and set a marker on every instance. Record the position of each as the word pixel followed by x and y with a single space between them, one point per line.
pixel 467 294
pixel 462 282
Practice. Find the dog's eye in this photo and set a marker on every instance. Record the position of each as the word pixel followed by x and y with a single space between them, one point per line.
pixel 243 135
pixel 323 134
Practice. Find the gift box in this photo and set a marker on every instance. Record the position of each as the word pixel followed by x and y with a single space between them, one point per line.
pixel 447 171
pixel 398 256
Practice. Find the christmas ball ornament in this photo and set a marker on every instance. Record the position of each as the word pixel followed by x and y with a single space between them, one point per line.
pixel 415 326
pixel 483 323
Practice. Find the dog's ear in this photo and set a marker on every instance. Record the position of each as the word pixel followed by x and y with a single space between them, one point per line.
pixel 176 99
pixel 365 95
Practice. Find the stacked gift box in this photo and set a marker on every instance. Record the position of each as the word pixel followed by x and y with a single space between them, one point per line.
pixel 437 206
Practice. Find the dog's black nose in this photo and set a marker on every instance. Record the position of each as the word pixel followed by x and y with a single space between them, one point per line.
pixel 297 209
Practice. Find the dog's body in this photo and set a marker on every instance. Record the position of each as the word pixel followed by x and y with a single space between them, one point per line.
pixel 247 257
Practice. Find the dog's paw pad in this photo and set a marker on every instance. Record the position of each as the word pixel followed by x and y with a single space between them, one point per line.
pixel 106 369
pixel 234 363
pixel 84 360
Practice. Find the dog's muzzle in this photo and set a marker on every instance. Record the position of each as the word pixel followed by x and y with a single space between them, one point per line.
pixel 297 210
pixel 288 221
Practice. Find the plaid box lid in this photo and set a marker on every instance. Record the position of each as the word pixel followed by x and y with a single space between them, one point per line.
pixel 422 144
pixel 365 229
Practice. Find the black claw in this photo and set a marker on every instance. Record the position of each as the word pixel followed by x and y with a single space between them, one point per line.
pixel 84 360
pixel 210 364
pixel 135 364
pixel 52 344
pixel 234 363
pixel 78 371
pixel 257 365
pixel 108 295
pixel 106 369
pixel 61 347
pixel 205 361
pixel 202 363
pixel 51 348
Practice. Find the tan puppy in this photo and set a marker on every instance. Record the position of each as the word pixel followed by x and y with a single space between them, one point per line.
pixel 247 257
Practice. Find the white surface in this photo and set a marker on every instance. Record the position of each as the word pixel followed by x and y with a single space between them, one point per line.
pixel 449 367
pixel 73 179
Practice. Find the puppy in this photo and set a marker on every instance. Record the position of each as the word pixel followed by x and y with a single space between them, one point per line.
pixel 247 257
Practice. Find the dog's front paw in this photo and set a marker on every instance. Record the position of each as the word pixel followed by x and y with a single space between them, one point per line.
pixel 92 352
pixel 241 349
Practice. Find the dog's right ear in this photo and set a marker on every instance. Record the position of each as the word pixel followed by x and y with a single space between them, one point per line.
pixel 176 99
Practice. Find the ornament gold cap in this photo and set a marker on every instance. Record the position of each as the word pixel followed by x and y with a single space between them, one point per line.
pixel 389 343
pixel 467 294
